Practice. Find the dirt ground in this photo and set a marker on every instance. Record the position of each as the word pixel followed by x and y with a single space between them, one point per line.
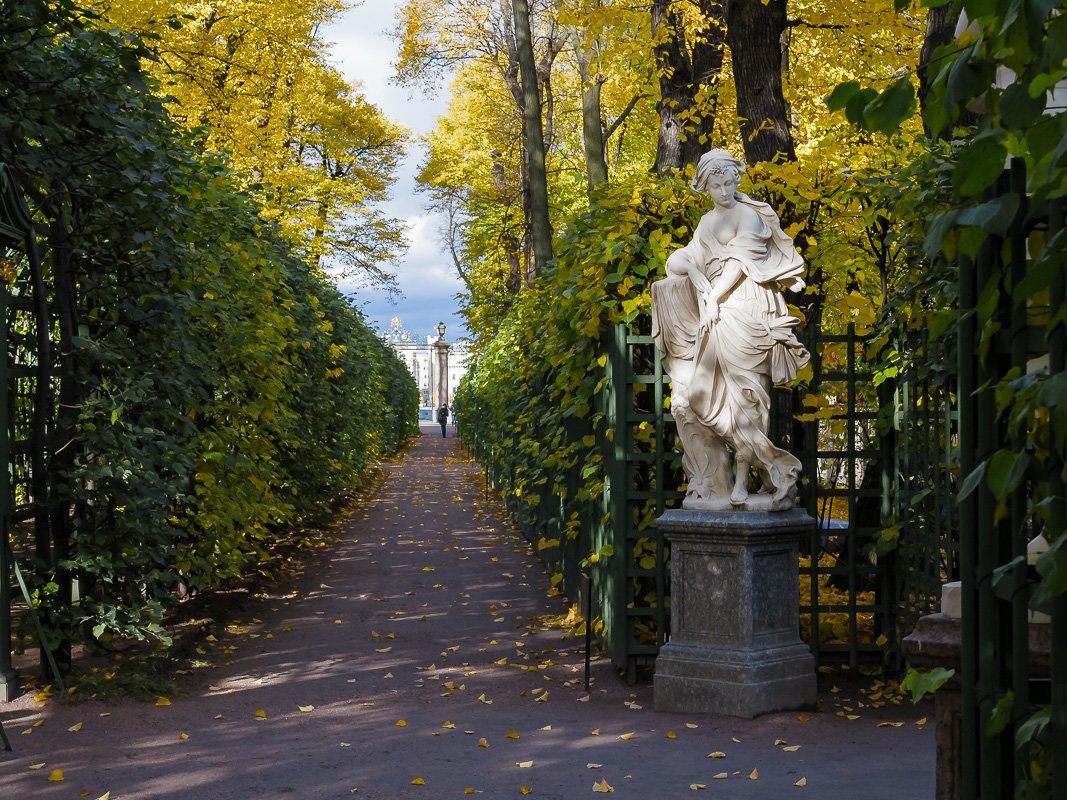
pixel 420 658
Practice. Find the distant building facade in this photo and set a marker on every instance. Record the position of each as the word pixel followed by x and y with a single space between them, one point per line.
pixel 417 352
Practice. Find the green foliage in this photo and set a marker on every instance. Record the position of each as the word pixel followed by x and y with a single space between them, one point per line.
pixel 218 392
pixel 529 400
pixel 922 683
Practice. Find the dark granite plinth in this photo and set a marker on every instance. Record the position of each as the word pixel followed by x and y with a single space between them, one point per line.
pixel 734 647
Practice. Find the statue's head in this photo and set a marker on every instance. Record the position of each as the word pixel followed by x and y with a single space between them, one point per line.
pixel 716 162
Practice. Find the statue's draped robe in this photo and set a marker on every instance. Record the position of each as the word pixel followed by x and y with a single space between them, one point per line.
pixel 750 347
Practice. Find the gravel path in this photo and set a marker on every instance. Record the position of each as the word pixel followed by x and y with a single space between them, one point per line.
pixel 419 658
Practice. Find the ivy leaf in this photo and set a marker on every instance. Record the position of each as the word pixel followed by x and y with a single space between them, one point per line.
pixel 888 110
pixel 980 163
pixel 922 683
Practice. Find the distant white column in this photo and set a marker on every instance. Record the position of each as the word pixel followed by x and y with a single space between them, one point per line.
pixel 441 349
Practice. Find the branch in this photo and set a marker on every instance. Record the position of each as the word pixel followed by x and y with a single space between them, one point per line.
pixel 614 126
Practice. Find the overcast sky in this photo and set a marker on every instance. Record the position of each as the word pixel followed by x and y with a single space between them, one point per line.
pixel 426 276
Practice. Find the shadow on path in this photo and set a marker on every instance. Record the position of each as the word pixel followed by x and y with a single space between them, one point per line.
pixel 422 650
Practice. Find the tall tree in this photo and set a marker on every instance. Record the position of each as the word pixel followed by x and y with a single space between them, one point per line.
pixel 754 31
pixel 688 69
pixel 255 77
pixel 540 225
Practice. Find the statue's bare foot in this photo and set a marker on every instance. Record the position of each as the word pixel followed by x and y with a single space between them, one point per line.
pixel 739 495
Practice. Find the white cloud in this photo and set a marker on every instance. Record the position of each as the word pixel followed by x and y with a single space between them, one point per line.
pixel 426 277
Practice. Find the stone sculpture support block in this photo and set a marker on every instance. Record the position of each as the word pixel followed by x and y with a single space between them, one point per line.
pixel 735 646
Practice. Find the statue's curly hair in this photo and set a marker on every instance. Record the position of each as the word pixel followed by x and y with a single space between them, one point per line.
pixel 715 162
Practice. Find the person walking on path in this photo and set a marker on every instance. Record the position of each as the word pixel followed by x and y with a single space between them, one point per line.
pixel 442 418
pixel 424 654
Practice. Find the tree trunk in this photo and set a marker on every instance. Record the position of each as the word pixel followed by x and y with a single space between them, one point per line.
pixel 596 164
pixel 685 127
pixel 754 34
pixel 675 80
pixel 540 230
pixel 940 30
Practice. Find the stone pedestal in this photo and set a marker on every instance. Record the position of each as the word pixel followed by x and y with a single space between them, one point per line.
pixel 735 646
pixel 937 642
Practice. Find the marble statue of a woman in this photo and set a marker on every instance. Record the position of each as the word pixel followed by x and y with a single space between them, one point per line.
pixel 722 326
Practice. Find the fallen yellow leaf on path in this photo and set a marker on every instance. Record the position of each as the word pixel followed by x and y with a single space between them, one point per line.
pixel 627 735
pixel 594 732
pixel 511 735
pixel 671 735
pixel 36 766
pixel 306 709
pixel 695 786
pixel 162 701
pixel 921 721
pixel 690 725
pixel 523 764
pixel 602 786
pixel 801 782
pixel 401 723
pixel 481 699
pixel 468 790
pixel 593 766
pixel 105 796
pixel 721 776
pixel 754 775
pixel 717 754
pixel 261 714
pixel 448 724
pixel 483 742
pixel 890 724
pixel 792 748
pixel 525 790
pixel 77 726
pixel 418 782
pixel 382 649
pixel 56 775
pixel 183 737
pixel 803 717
